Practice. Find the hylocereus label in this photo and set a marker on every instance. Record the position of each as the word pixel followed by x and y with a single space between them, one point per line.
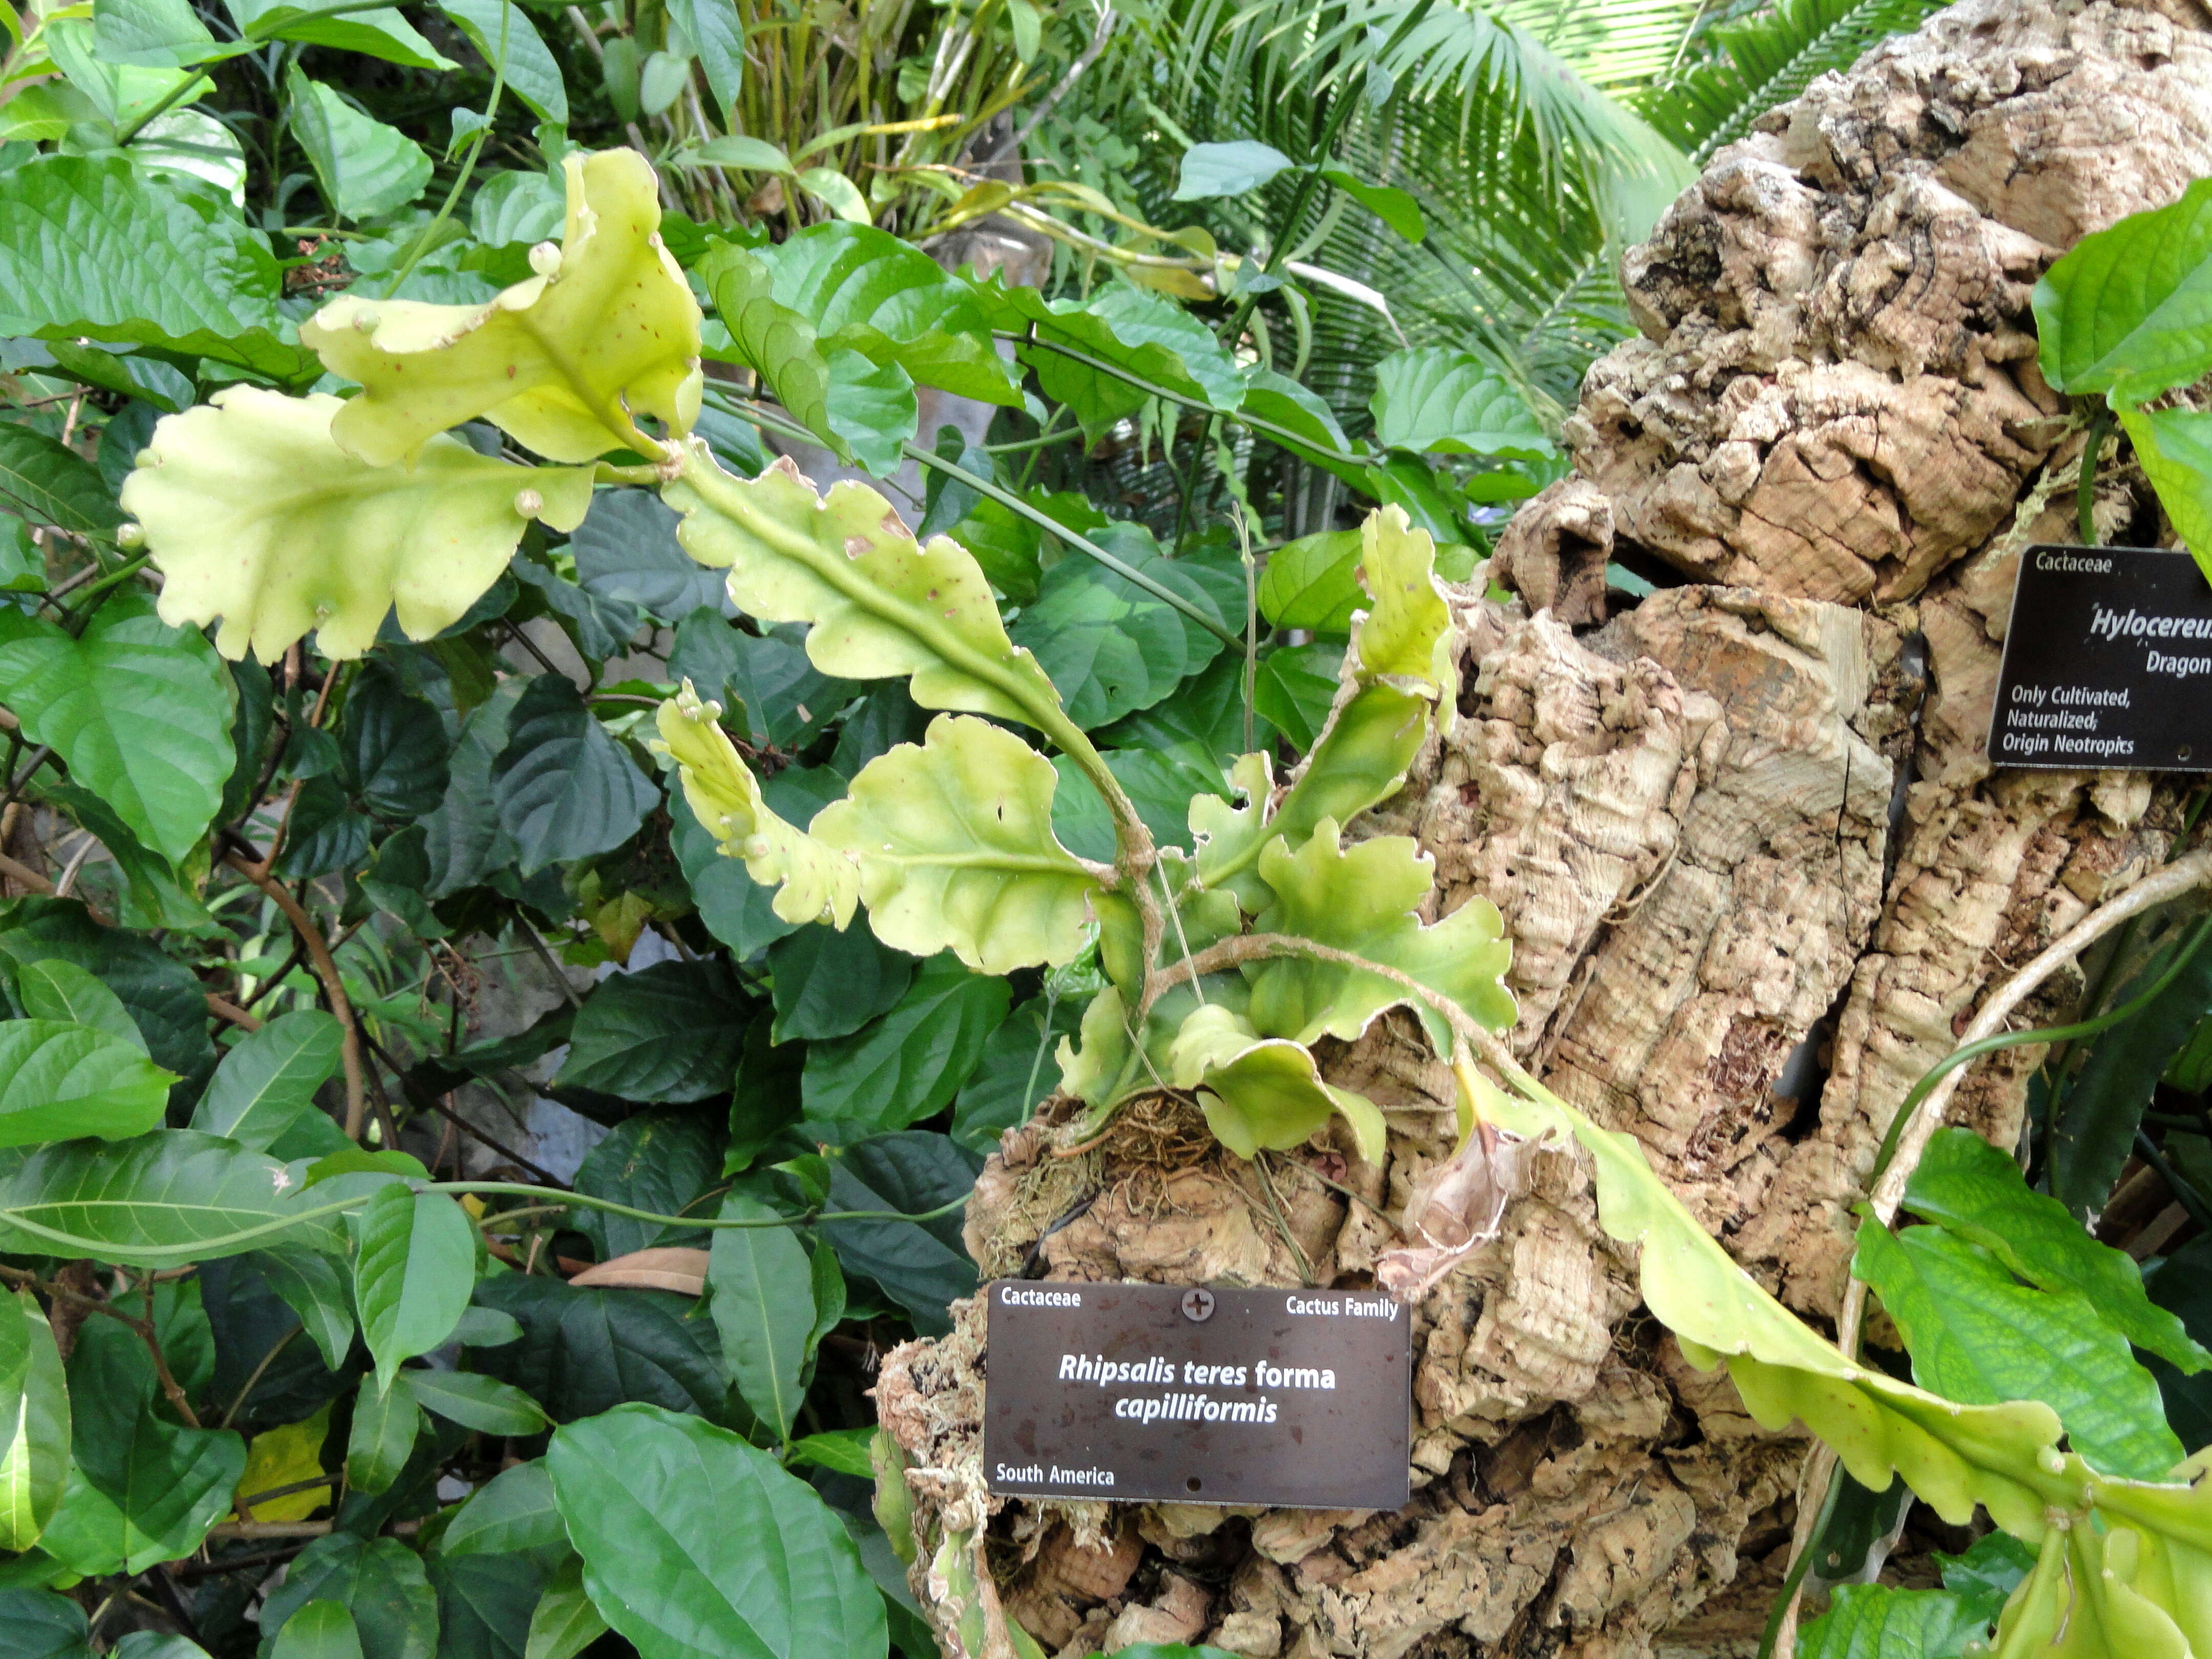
pixel 2107 662
pixel 1288 1398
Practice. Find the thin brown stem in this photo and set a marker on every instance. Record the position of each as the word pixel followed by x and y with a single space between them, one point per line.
pixel 326 969
pixel 144 1327
pixel 222 1008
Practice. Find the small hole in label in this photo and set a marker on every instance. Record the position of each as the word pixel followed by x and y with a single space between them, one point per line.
pixel 1191 1485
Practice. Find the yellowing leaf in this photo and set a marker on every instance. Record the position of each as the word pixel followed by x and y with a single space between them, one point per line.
pixel 1263 1092
pixel 818 882
pixel 955 851
pixel 881 602
pixel 253 514
pixel 283 1457
pixel 1406 637
pixel 1362 899
pixel 610 324
pixel 1093 1074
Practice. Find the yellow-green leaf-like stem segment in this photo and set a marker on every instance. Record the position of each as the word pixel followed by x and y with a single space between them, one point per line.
pixel 1263 1092
pixel 606 331
pixel 953 840
pixel 254 514
pixel 814 883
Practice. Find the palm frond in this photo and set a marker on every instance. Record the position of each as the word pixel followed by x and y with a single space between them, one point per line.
pixel 1752 63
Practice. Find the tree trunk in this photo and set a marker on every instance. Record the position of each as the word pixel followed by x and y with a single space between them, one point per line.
pixel 1755 863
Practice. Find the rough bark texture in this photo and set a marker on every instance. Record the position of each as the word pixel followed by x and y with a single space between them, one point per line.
pixel 1756 866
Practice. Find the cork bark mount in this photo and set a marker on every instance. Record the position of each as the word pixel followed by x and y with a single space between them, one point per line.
pixel 1756 866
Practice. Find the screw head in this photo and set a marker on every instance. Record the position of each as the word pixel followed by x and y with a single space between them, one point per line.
pixel 1198 1306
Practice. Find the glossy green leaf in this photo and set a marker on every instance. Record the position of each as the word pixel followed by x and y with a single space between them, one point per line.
pixel 1433 400
pixel 52 485
pixel 164 1199
pixel 137 886
pixel 380 1581
pixel 872 409
pixel 1263 1092
pixel 881 603
pixel 600 625
pixel 663 1161
pixel 814 883
pixel 1362 899
pixel 584 1350
pixel 863 289
pixel 144 1489
pixel 1228 169
pixel 905 1066
pixel 1015 1074
pixel 424 368
pixel 626 550
pixel 845 1450
pixel 718 38
pixel 955 848
pixel 253 513
pixel 767 687
pixel 60 1080
pixel 1874 1621
pixel 564 788
pixel 922 1264
pixel 1294 689
pixel 696 1543
pixel 1313 582
pixel 565 1622
pixel 2128 308
pixel 1973 1189
pixel 321 1630
pixel 199 281
pixel 34 1422
pixel 502 31
pixel 365 167
pixel 776 343
pixel 1111 647
pixel 463 839
pixel 378 31
pixel 385 1422
pixel 412 1278
pixel 270 1079
pixel 1138 333
pixel 153 33
pixel 510 1514
pixel 670 1032
pixel 62 991
pixel 139 712
pixel 763 1307
pixel 1978 1336
pixel 483 1403
pixel 484 1604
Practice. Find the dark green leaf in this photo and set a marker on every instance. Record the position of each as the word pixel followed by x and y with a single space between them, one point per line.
pixel 907 1065
pixel 379 1580
pixel 483 1403
pixel 54 485
pixel 626 550
pixel 412 1278
pixel 393 746
pixel 462 838
pixel 1973 1189
pixel 565 1622
pixel 736 908
pixel 256 1301
pixel 829 984
pixel 512 1514
pixel 657 1160
pixel 600 625
pixel 163 997
pixel 140 886
pixel 1016 1072
pixel 1294 687
pixel 845 1450
pixel 1980 1337
pixel 1439 401
pixel 2104 1103
pixel 670 1032
pixel 37 1624
pixel 1395 208
pixel 1989 1570
pixel 503 32
pixel 768 689
pixel 62 991
pixel 2182 1285
pixel 385 1422
pixel 871 407
pixel 1138 332
pixel 763 1309
pixel 584 1350
pixel 697 1544
pixel 326 834
pixel 139 711
pixel 94 247
pixel 922 1264
pixel 484 1604
pixel 1110 646
pixel 1207 712
pixel 564 788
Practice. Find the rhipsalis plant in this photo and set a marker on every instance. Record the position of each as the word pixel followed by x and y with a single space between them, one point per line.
pixel 1223 964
